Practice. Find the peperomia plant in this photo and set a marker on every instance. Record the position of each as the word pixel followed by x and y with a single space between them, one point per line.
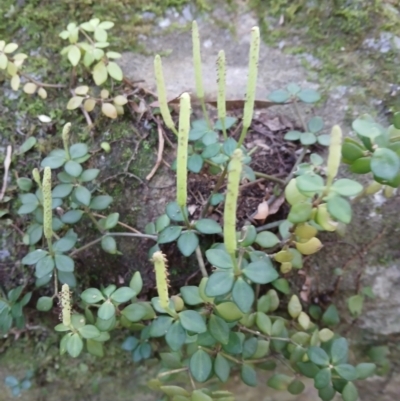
pixel 242 316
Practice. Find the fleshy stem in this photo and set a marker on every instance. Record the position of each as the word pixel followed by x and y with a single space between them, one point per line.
pixel 235 170
pixel 221 99
pixel 162 95
pixel 251 83
pixel 182 153
pixel 200 261
pixel 47 213
pixel 197 71
pixel 65 138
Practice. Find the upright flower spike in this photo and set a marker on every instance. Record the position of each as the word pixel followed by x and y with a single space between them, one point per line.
pixel 221 99
pixel 65 305
pixel 47 201
pixel 182 153
pixel 251 82
pixel 234 173
pixel 162 283
pixel 162 94
pixel 197 69
pixel 65 138
pixel 36 177
pixel 335 155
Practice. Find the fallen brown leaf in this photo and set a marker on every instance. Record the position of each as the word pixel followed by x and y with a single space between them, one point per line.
pixel 262 211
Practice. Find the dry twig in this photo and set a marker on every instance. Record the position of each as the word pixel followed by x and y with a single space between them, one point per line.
pixel 7 163
pixel 159 153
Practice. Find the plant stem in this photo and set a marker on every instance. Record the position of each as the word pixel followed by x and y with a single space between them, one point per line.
pixel 296 107
pixel 171 372
pixel 95 222
pixel 257 333
pixel 269 225
pixel 205 112
pixel 120 223
pixel 41 84
pixel 89 244
pixel 200 260
pixel 215 190
pixel 269 177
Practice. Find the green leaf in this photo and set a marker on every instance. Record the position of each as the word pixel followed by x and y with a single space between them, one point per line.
pixel 264 323
pixel 385 164
pixel 361 165
pixel 229 311
pixel 44 266
pixel 136 283
pixel 134 312
pixel 123 294
pixel 355 304
pixel 327 393
pixel 106 310
pixel 296 387
pixel 308 369
pixel 74 55
pixel 111 221
pixel 187 243
pixel 74 345
pixel 279 381
pixel 340 209
pixel 24 184
pixel 219 329
pixel 109 245
pixel 160 326
pixel 172 391
pixel 248 375
pixel 228 123
pixel 307 138
pixel 162 222
pixel 300 213
pixel 350 392
pixel 64 244
pixel 211 151
pixel 64 263
pixel 219 258
pixel 219 283
pixel 200 366
pixel 346 372
pixel 176 336
pixel 198 395
pixel 89 175
pixel 53 161
pixel 266 239
pixel 322 378
pixel 318 356
pixel 100 73
pixel 315 124
pixel 191 295
pixel 61 190
pixel 73 168
pixel 44 304
pixel 229 145
pixel 169 234
pixel 195 163
pixel 209 138
pixel 217 199
pixel 222 368
pixel 89 331
pixel 346 187
pixel 292 136
pixel 100 202
pixel 67 278
pixel 260 272
pixel 33 257
pixel 72 216
pixel 82 195
pixel 310 183
pixel 279 96
pixel 365 370
pixel 27 145
pixel 309 96
pixel 192 321
pixel 28 208
pixel 208 226
pixel 331 316
pixel 243 295
pixel 92 296
pixel 115 71
pixel 339 351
